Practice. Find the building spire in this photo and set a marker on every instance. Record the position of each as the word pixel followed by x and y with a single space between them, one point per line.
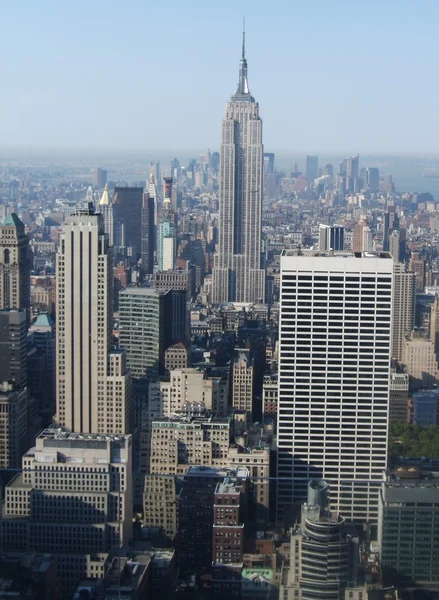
pixel 243 39
pixel 243 81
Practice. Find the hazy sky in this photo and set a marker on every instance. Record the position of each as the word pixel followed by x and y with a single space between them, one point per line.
pixel 330 75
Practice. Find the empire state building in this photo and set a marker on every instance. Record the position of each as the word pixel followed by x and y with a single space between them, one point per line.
pixel 237 273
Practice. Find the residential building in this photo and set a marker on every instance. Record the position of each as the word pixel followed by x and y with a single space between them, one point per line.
pixel 160 504
pixel 238 274
pixel 334 360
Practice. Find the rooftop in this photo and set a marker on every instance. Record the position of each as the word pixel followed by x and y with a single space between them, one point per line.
pixel 58 433
pixel 335 254
pixel 411 493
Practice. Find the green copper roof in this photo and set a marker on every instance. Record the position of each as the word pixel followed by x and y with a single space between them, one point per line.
pixel 13 220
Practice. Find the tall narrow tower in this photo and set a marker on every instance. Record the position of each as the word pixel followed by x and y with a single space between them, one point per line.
pixel 93 388
pixel 14 266
pixel 237 274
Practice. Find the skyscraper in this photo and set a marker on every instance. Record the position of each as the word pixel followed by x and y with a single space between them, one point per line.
pixel 148 233
pixel 128 203
pixel 334 358
pixel 93 392
pixel 331 237
pixel 238 275
pixel 403 308
pixel 105 207
pixel 14 265
pixel 100 178
pixel 312 168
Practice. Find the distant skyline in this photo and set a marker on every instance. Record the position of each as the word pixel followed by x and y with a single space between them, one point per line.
pixel 334 77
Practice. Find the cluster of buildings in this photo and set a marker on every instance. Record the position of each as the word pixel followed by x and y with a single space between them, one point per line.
pixel 197 380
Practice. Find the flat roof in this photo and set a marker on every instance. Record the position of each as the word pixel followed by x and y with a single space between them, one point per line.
pixel 411 493
pixel 335 254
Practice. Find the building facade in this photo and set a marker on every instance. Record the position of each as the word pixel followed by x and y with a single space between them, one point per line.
pixel 128 203
pixel 403 308
pixel 238 275
pixel 79 521
pixel 93 387
pixel 334 360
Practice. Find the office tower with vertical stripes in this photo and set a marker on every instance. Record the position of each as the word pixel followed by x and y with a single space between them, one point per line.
pixel 334 363
pixel 238 275
pixel 93 393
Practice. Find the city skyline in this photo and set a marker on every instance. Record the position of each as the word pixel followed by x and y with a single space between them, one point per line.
pixel 332 111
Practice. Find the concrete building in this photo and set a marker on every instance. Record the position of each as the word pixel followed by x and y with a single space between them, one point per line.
pixel 191 391
pixel 323 557
pixel 420 362
pixel 145 329
pixel 177 357
pixel 403 317
pixel 13 347
pixel 270 395
pixel 434 323
pixel 14 424
pixel 178 443
pixel 399 397
pixel 42 336
pixel 243 385
pixel 238 275
pixel 100 178
pixel 14 265
pixel 93 393
pixel 334 360
pixel 166 244
pixel 160 504
pixel 417 266
pixel 229 517
pixel 257 462
pixel 73 499
pixel 180 279
pixel 408 528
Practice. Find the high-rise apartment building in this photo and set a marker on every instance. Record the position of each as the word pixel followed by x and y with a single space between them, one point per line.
pixel 14 265
pixel 93 393
pixel 105 208
pixel 238 275
pixel 73 499
pixel 403 320
pixel 312 168
pixel 331 237
pixel 128 202
pixel 334 360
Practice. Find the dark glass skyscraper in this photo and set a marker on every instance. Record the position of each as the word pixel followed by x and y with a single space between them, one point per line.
pixel 128 202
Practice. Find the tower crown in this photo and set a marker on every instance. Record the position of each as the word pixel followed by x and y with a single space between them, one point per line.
pixel 242 89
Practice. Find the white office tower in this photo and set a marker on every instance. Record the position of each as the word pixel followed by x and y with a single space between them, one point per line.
pixel 105 207
pixel 237 275
pixel 334 360
pixel 93 386
pixel 73 499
